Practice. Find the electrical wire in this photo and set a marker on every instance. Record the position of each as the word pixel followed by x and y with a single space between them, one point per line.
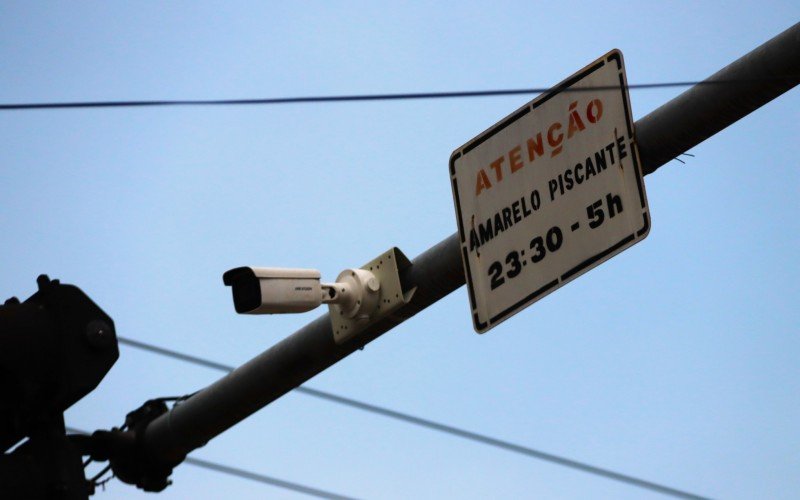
pixel 436 426
pixel 354 98
pixel 241 473
pixel 96 479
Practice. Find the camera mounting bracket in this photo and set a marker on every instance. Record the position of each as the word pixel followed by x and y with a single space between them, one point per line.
pixel 390 297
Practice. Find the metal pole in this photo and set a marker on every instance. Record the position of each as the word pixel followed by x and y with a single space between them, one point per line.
pixel 700 112
pixel 720 100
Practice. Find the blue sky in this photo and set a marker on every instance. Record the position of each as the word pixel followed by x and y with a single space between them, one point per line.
pixel 675 362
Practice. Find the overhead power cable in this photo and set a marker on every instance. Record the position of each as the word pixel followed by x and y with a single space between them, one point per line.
pixel 430 424
pixel 244 474
pixel 348 98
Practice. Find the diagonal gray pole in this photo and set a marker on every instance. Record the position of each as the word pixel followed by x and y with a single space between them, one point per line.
pixel 700 112
pixel 723 98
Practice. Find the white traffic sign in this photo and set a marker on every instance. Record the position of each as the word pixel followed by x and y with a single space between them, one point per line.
pixel 549 192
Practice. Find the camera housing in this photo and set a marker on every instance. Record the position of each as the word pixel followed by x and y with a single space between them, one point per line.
pixel 272 290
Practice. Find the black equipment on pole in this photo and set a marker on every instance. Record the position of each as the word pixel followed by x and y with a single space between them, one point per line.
pixel 55 348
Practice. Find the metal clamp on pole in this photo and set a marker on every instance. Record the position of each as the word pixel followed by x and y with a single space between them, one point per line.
pixel 377 293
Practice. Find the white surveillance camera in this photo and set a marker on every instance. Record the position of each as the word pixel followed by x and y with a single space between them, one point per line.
pixel 274 290
pixel 270 290
pixel 359 297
